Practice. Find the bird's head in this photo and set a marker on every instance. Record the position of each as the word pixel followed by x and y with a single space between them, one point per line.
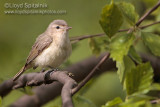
pixel 59 27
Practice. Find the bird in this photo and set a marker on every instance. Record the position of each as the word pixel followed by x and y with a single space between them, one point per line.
pixel 50 49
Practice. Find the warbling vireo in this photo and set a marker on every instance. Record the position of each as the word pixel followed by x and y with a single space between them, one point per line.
pixel 51 48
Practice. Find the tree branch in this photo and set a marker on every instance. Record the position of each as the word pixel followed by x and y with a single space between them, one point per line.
pixel 42 94
pixel 145 26
pixel 79 38
pixel 89 76
pixel 35 79
pixel 148 13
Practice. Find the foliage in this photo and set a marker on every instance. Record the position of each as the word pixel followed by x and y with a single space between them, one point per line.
pixel 129 12
pixel 139 79
pixel 135 75
pixel 152 42
pixel 114 102
pixel 111 19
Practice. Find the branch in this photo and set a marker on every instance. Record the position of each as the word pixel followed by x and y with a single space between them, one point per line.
pixel 89 76
pixel 42 94
pixel 76 39
pixel 148 13
pixel 79 38
pixel 46 93
pixel 145 26
pixel 35 79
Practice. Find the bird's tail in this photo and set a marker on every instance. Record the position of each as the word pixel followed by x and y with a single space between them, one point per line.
pixel 19 73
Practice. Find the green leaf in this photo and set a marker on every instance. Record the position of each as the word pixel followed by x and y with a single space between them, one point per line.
pixel 120 46
pixel 134 55
pixel 94 46
pixel 129 12
pixel 114 102
pixel 111 19
pixel 152 41
pixel 123 67
pixel 139 100
pixel 139 79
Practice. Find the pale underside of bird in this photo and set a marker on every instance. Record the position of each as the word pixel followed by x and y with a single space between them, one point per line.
pixel 51 48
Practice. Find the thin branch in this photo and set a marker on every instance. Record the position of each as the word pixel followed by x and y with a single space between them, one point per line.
pixel 145 26
pixel 86 36
pixel 148 13
pixel 89 76
pixel 79 38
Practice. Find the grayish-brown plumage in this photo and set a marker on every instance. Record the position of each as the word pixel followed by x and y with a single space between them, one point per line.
pixel 50 49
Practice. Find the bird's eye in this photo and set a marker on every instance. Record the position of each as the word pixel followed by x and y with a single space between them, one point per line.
pixel 57 27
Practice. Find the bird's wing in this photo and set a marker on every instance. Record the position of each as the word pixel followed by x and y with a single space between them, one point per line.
pixel 41 43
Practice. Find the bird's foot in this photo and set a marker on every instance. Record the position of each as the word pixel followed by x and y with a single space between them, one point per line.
pixel 47 77
pixel 69 74
pixel 56 69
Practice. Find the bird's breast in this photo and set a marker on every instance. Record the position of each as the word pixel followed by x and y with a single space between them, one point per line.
pixel 53 56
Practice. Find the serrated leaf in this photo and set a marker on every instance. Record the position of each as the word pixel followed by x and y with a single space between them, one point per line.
pixel 152 41
pixel 94 46
pixel 111 19
pixel 134 55
pixel 139 79
pixel 137 101
pixel 128 12
pixel 113 103
pixel 120 46
pixel 123 67
pixel 138 97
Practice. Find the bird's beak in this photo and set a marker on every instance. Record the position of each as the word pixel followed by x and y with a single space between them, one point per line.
pixel 68 28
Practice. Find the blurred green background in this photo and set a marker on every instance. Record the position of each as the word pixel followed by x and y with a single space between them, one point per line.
pixel 18 33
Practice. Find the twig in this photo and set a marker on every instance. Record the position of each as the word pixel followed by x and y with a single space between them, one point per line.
pixel 89 76
pixel 79 38
pixel 145 26
pixel 86 36
pixel 148 13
